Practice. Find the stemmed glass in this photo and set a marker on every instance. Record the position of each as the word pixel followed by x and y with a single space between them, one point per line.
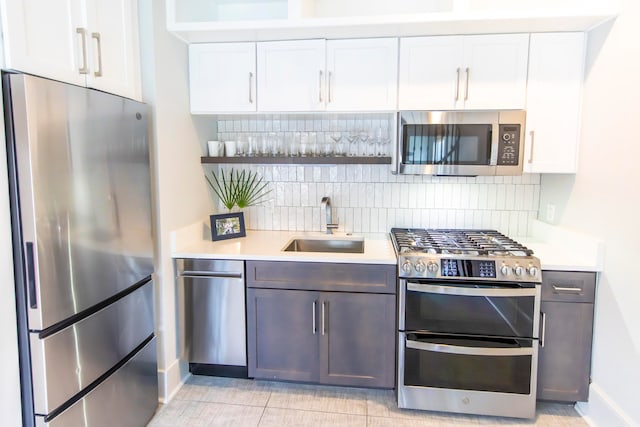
pixel 364 137
pixel 353 138
pixel 337 142
pixel 382 139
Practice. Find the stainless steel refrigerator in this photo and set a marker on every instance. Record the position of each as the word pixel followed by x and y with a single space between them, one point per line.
pixel 83 254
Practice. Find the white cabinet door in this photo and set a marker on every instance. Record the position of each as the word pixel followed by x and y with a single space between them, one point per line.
pixel 113 47
pixel 554 96
pixel 495 71
pixel 291 75
pixel 430 72
pixel 222 77
pixel 362 74
pixel 463 72
pixel 40 38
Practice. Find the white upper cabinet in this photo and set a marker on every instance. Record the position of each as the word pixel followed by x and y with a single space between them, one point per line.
pixel 362 74
pixel 91 43
pixel 40 38
pixel 291 75
pixel 430 73
pixel 463 72
pixel 335 75
pixel 554 96
pixel 222 77
pixel 114 64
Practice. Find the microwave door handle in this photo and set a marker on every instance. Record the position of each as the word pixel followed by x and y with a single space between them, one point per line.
pixel 477 292
pixel 495 142
pixel 472 351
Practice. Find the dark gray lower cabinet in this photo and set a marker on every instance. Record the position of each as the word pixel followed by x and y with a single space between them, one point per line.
pixel 358 345
pixel 564 364
pixel 281 343
pixel 311 334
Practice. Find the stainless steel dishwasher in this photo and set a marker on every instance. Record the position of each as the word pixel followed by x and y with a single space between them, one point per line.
pixel 213 316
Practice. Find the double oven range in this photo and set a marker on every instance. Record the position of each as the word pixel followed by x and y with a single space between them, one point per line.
pixel 468 322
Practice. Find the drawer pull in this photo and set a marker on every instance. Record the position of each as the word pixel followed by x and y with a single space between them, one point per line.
pixel 566 289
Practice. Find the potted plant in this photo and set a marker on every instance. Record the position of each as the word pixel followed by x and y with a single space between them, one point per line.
pixel 242 189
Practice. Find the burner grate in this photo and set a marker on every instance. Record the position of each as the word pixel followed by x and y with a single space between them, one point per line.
pixel 455 241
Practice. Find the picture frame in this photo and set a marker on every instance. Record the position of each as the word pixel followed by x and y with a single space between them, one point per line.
pixel 227 226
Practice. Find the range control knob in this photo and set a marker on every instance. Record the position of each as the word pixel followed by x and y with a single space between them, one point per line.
pixel 533 271
pixel 432 267
pixel 406 267
pixel 420 267
pixel 505 270
pixel 518 270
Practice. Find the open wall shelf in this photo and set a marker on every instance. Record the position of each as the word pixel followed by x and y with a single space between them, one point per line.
pixel 299 160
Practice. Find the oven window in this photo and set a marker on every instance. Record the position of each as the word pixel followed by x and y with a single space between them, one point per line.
pixel 447 144
pixel 469 315
pixel 505 374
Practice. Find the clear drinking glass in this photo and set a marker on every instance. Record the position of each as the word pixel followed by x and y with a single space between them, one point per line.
pixel 294 144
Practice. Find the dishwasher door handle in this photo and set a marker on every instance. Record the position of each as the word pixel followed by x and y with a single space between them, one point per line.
pixel 210 274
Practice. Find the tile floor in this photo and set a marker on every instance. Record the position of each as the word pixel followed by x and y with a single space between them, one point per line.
pixel 215 401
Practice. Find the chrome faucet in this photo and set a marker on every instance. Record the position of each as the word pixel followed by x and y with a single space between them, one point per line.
pixel 326 205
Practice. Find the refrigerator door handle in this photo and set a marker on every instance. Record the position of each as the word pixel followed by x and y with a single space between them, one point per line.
pixel 31 275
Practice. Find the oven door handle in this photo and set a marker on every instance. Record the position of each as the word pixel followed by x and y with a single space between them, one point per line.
pixel 474 292
pixel 472 351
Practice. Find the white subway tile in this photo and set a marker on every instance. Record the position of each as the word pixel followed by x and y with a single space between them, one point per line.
pixel 314 200
pixel 300 177
pixel 425 218
pixel 500 196
pixel 317 174
pixel 366 220
pixel 315 220
pixel 299 218
pixel 387 191
pixel 348 220
pixel 366 173
pixel 267 219
pixel 510 196
pixel 333 173
pixel 295 194
pixel 378 195
pixel 288 195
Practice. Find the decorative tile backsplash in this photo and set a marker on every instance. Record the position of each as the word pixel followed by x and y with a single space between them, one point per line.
pixel 368 198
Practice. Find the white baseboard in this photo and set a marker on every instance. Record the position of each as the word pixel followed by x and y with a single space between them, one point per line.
pixel 171 379
pixel 602 411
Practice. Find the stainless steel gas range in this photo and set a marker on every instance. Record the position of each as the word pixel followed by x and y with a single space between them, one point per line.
pixel 468 322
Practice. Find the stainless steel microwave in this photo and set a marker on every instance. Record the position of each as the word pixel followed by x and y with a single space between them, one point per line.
pixel 462 143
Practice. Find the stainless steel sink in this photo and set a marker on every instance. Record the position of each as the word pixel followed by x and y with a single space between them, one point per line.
pixel 326 245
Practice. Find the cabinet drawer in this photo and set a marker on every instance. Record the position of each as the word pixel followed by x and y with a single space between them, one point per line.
pixel 322 276
pixel 568 286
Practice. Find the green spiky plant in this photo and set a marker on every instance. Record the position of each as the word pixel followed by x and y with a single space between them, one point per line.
pixel 238 188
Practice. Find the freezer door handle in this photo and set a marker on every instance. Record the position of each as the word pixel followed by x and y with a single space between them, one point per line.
pixel 31 275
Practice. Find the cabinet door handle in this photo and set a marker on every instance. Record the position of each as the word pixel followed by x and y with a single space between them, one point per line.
pixel 466 89
pixel 96 36
pixel 543 320
pixel 329 88
pixel 323 321
pixel 250 88
pixel 85 68
pixel 566 289
pixel 532 135
pixel 320 86
pixel 457 84
pixel 313 317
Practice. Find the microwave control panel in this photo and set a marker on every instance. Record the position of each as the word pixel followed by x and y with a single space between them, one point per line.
pixel 509 145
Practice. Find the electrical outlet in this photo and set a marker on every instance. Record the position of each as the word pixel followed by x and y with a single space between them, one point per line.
pixel 551 212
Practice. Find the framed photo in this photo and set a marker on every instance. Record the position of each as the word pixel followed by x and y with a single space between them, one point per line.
pixel 227 226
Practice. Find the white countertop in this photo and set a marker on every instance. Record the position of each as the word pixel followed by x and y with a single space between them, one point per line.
pixel 195 242
pixel 557 248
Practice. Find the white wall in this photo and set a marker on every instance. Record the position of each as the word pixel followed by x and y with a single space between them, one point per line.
pixel 10 404
pixel 181 195
pixel 602 200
